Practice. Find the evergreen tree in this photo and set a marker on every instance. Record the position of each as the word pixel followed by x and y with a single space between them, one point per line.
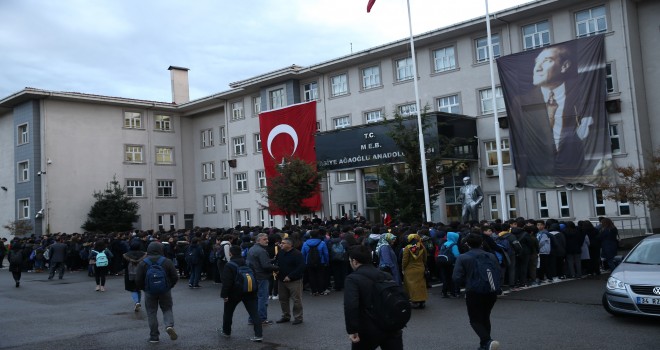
pixel 113 211
pixel 296 181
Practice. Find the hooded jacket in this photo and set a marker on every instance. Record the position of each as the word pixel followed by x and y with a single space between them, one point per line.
pixel 154 252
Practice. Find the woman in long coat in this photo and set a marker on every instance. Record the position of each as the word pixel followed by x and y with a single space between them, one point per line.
pixel 609 242
pixel 413 266
pixel 131 260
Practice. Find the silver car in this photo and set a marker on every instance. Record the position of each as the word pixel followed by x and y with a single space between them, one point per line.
pixel 634 286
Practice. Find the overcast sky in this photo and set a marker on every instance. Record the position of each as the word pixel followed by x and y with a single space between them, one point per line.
pixel 124 47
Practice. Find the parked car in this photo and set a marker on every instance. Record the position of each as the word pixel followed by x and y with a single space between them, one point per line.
pixel 634 286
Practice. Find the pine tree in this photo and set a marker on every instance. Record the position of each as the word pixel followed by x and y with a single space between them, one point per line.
pixel 113 211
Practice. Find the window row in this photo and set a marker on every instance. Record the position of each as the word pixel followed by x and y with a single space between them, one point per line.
pixel 135 154
pixel 135 188
pixel 135 120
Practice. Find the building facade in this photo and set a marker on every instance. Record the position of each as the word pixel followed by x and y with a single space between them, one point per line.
pixel 199 163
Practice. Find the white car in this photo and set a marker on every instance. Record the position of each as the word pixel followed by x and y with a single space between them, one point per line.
pixel 634 285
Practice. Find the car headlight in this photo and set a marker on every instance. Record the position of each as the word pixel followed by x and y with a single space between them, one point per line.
pixel 613 283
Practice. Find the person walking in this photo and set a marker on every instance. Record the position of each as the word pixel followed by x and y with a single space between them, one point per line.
pixel 57 254
pixel 195 261
pixel 232 294
pixel 260 263
pixel 132 259
pixel 100 258
pixel 361 328
pixel 470 270
pixel 413 266
pixel 289 279
pixel 153 300
pixel 17 259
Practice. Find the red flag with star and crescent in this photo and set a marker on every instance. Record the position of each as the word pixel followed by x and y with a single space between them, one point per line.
pixel 289 132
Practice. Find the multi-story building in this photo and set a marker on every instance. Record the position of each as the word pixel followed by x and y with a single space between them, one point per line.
pixel 200 162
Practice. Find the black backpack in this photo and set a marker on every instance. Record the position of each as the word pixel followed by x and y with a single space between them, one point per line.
pixel 446 256
pixel 390 305
pixel 485 276
pixel 245 280
pixel 314 256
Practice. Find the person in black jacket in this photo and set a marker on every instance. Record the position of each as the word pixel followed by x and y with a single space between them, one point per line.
pixel 232 294
pixel 362 331
pixel 289 279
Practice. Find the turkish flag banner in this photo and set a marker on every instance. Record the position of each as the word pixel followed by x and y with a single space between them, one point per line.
pixel 289 132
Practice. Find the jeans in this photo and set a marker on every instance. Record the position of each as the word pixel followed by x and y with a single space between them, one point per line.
pixel 479 307
pixel 137 296
pixel 262 299
pixel 228 315
pixel 195 274
pixel 291 291
pixel 151 303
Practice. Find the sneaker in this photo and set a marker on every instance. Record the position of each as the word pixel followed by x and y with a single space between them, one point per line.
pixel 153 340
pixel 282 320
pixel 102 289
pixel 98 288
pixel 493 345
pixel 18 284
pixel 295 322
pixel 267 322
pixel 190 286
pixel 275 297
pixel 137 307
pixel 256 339
pixel 222 333
pixel 197 287
pixel 170 331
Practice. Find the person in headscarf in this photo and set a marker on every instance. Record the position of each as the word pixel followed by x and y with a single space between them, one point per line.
pixel 413 266
pixel 387 257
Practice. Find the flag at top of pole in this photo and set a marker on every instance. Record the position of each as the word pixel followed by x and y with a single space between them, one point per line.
pixel 370 5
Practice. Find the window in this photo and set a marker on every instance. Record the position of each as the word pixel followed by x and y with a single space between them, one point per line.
pixel 494 210
pixel 209 204
pixel 404 69
pixel 610 82
pixel 164 155
pixel 132 120
pixel 373 116
pixel 208 171
pixel 163 122
pixel 491 152
pixel 241 182
pixel 23 136
pixel 135 188
pixel 257 142
pixel 165 188
pixel 564 207
pixel 536 35
pixel 239 145
pixel 133 154
pixel 615 139
pixel 23 171
pixel 207 138
pixel 513 211
pixel 311 91
pixel 261 179
pixel 167 221
pixel 237 110
pixel 318 126
pixel 624 207
pixel 339 85
pixel 265 219
pixel 223 135
pixel 482 47
pixel 246 216
pixel 256 105
pixel 342 122
pixel 599 202
pixel 24 208
pixel 408 109
pixel 591 21
pixel 543 205
pixel 276 98
pixel 225 202
pixel 444 59
pixel 486 96
pixel 449 104
pixel 243 217
pixel 225 168
pixel 371 77
pixel 346 176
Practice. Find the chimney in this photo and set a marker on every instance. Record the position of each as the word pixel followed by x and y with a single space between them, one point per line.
pixel 180 91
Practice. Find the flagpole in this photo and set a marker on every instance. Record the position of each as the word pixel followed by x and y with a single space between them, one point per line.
pixel 504 214
pixel 422 148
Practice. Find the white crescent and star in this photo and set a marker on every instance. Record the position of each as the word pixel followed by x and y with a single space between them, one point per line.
pixel 282 129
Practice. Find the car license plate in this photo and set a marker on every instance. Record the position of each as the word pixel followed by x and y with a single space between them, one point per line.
pixel 652 301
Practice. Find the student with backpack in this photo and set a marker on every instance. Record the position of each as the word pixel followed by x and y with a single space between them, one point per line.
pixel 239 285
pixel 317 258
pixel 376 309
pixel 195 261
pixel 446 261
pixel 156 275
pixel 480 272
pixel 132 259
pixel 388 261
pixel 100 258
pixel 338 259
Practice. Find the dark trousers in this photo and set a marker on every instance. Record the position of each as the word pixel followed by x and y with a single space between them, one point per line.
pixel 522 264
pixel 338 269
pixel 16 275
pixel 54 266
pixel 548 265
pixel 390 341
pixel 448 286
pixel 151 304
pixel 479 307
pixel 250 307
pixel 99 274
pixel 317 279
